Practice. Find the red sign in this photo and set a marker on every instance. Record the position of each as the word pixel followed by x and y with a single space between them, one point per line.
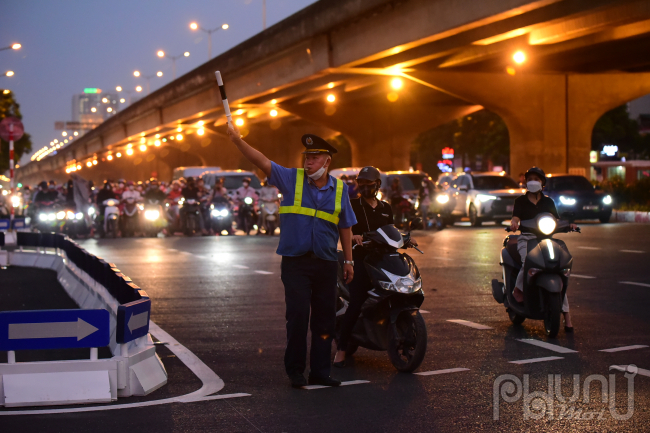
pixel 5 128
pixel 448 153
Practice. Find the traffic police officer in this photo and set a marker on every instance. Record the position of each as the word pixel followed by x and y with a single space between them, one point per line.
pixel 315 211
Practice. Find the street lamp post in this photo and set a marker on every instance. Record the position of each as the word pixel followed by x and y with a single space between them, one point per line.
pixel 162 54
pixel 9 74
pixel 11 47
pixel 195 26
pixel 148 78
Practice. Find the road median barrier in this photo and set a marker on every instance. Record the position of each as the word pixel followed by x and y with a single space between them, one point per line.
pixel 113 312
pixel 630 216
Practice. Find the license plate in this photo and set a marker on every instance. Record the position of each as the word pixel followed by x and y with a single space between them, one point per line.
pixel 510 208
pixel 594 207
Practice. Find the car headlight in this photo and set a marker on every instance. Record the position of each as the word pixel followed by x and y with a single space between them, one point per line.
pixel 248 200
pixel 52 217
pixel 60 215
pixel 79 215
pixel 69 215
pixel 607 199
pixel 442 198
pixel 151 215
pixel 568 201
pixel 546 225
pixel 484 197
pixel 42 217
pixel 224 212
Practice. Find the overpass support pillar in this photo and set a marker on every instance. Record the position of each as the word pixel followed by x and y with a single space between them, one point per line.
pixel 550 118
pixel 380 134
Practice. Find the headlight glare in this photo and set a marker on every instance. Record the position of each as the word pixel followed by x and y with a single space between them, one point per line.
pixel 546 225
pixel 151 215
pixel 442 198
pixel 248 200
pixel 60 215
pixel 607 199
pixel 567 201
pixel 42 217
pixel 484 197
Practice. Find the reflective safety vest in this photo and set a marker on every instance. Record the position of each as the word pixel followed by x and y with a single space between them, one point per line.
pixel 297 207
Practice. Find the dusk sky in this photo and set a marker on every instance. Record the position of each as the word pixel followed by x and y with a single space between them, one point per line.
pixel 68 45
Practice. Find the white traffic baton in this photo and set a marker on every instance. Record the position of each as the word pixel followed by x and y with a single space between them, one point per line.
pixel 224 98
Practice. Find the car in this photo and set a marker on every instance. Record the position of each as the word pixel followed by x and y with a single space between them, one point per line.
pixel 195 171
pixel 577 199
pixel 232 179
pixel 350 172
pixel 483 197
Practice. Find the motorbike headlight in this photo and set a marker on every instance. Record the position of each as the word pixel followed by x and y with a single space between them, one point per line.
pixel 111 203
pixel 91 211
pixel 248 200
pixel 151 215
pixel 60 215
pixel 79 215
pixel 42 217
pixel 224 213
pixel 141 207
pixel 484 197
pixel 567 201
pixel 546 225
pixel 386 285
pixel 52 217
pixel 607 199
pixel 379 195
pixel 69 215
pixel 15 201
pixel 215 213
pixel 442 198
pixel 211 206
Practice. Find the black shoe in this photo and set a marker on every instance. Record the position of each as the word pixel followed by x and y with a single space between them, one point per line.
pixel 297 380
pixel 325 381
pixel 339 364
pixel 568 329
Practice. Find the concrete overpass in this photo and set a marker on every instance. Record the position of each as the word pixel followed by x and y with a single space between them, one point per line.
pixel 584 57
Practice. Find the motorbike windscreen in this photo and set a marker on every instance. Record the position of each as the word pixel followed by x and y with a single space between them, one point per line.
pixel 387 235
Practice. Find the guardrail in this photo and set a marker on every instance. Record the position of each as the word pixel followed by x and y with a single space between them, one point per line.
pixel 113 312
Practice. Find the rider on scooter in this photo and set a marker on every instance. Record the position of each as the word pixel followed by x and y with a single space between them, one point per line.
pixel 371 215
pixel 240 194
pixel 191 191
pixel 268 194
pixel 526 207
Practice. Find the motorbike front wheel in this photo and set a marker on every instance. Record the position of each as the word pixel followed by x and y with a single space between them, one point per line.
pixel 552 314
pixel 408 342
pixel 516 318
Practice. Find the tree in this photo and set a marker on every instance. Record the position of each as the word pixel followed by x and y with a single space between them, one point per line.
pixel 9 107
pixel 481 135
pixel 615 127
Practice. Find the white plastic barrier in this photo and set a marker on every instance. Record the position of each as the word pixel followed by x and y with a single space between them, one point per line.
pixel 134 369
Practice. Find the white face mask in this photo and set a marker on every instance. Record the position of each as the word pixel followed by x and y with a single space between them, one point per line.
pixel 319 173
pixel 534 186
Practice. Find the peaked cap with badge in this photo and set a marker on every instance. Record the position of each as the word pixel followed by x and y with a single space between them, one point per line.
pixel 315 144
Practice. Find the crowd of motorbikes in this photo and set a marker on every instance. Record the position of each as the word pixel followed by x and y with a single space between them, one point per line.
pixel 127 209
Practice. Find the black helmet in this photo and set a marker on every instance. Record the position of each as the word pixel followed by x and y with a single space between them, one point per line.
pixel 369 173
pixel 246 179
pixel 190 179
pixel 43 184
pixel 538 171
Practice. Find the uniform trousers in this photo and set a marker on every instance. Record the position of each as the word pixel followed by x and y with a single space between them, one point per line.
pixel 309 287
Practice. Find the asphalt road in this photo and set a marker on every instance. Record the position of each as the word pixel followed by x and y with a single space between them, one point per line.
pixel 222 298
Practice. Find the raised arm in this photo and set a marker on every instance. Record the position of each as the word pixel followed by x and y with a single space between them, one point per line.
pixel 253 155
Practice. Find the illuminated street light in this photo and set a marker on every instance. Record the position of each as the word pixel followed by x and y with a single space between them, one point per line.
pixel 179 137
pixel 104 100
pixel 15 46
pixel 239 121
pixel 162 54
pixel 136 73
pixel 157 143
pixel 195 26
pixel 94 162
pixel 76 133
pixel 138 89
pixel 273 113
pixel 93 109
pixel 148 78
pixel 519 57
pixel 129 152
pixel 9 73
pixel 122 100
pixel 331 98
pixel 159 74
pixel 118 154
pixel 109 109
pixel 143 148
pixel 330 86
pixel 64 133
pixel 118 88
pixel 396 83
pixel 200 131
pixel 109 157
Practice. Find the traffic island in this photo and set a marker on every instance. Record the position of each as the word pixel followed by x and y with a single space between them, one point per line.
pixel 112 313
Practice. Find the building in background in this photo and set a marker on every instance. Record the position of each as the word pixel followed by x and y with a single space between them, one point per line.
pixel 93 106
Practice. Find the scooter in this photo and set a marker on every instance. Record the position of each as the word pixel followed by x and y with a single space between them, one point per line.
pixel 546 274
pixel 190 216
pixel 49 217
pixel 111 217
pixel 130 219
pixel 390 318
pixel 75 224
pixel 221 216
pixel 154 220
pixel 270 216
pixel 246 215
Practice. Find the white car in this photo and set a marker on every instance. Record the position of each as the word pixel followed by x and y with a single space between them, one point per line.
pixel 484 197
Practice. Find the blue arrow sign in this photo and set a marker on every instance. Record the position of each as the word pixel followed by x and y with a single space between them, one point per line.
pixel 133 320
pixel 53 329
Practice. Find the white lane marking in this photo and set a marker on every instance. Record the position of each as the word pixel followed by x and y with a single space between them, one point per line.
pixel 239 266
pixel 445 371
pixel 632 251
pixel 590 248
pixel 216 397
pixel 545 345
pixel 264 272
pixel 621 349
pixel 623 368
pixel 211 382
pixel 587 277
pixel 350 382
pixel 632 283
pixel 470 324
pixel 533 360
pixel 425 311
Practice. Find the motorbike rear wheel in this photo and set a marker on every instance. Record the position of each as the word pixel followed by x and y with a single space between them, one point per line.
pixel 407 348
pixel 516 318
pixel 552 314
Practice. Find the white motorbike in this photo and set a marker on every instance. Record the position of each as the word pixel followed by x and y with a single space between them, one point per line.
pixel 270 216
pixel 111 217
